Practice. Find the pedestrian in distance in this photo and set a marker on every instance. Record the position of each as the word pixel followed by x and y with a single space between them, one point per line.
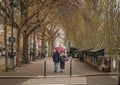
pixel 32 54
pixel 56 60
pixel 62 61
pixel 43 55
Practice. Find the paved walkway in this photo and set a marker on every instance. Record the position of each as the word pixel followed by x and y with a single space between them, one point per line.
pixel 37 68
pixel 64 81
pixel 34 73
pixel 2 63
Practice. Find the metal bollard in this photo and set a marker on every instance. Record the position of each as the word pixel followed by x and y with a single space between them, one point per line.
pixel 70 66
pixel 45 67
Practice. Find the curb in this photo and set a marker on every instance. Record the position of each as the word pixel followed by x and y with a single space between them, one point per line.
pixel 57 76
pixel 98 74
pixel 17 77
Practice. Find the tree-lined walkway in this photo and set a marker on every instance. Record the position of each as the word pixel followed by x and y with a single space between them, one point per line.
pixel 36 70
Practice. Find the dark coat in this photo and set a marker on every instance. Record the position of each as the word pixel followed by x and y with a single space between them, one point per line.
pixel 62 62
pixel 56 56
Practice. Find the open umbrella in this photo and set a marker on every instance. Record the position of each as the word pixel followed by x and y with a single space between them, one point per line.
pixel 59 48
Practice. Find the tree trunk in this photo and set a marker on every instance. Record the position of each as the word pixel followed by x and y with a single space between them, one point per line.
pixel 5 40
pixel 6 49
pixel 38 45
pixel 18 63
pixel 24 15
pixel 34 46
pixel 43 43
pixel 49 49
pixel 51 43
pixel 25 48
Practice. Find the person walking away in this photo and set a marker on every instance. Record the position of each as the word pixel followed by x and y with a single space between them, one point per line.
pixel 56 60
pixel 62 61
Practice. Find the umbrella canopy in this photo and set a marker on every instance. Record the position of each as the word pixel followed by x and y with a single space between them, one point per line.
pixel 59 48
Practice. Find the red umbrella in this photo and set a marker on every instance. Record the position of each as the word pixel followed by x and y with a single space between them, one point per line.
pixel 59 48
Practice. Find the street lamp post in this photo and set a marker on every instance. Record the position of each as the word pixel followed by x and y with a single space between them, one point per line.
pixel 12 39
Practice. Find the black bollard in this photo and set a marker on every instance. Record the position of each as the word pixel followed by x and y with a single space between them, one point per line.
pixel 70 66
pixel 45 67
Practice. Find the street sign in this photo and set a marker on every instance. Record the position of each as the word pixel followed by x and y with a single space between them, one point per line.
pixel 11 39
